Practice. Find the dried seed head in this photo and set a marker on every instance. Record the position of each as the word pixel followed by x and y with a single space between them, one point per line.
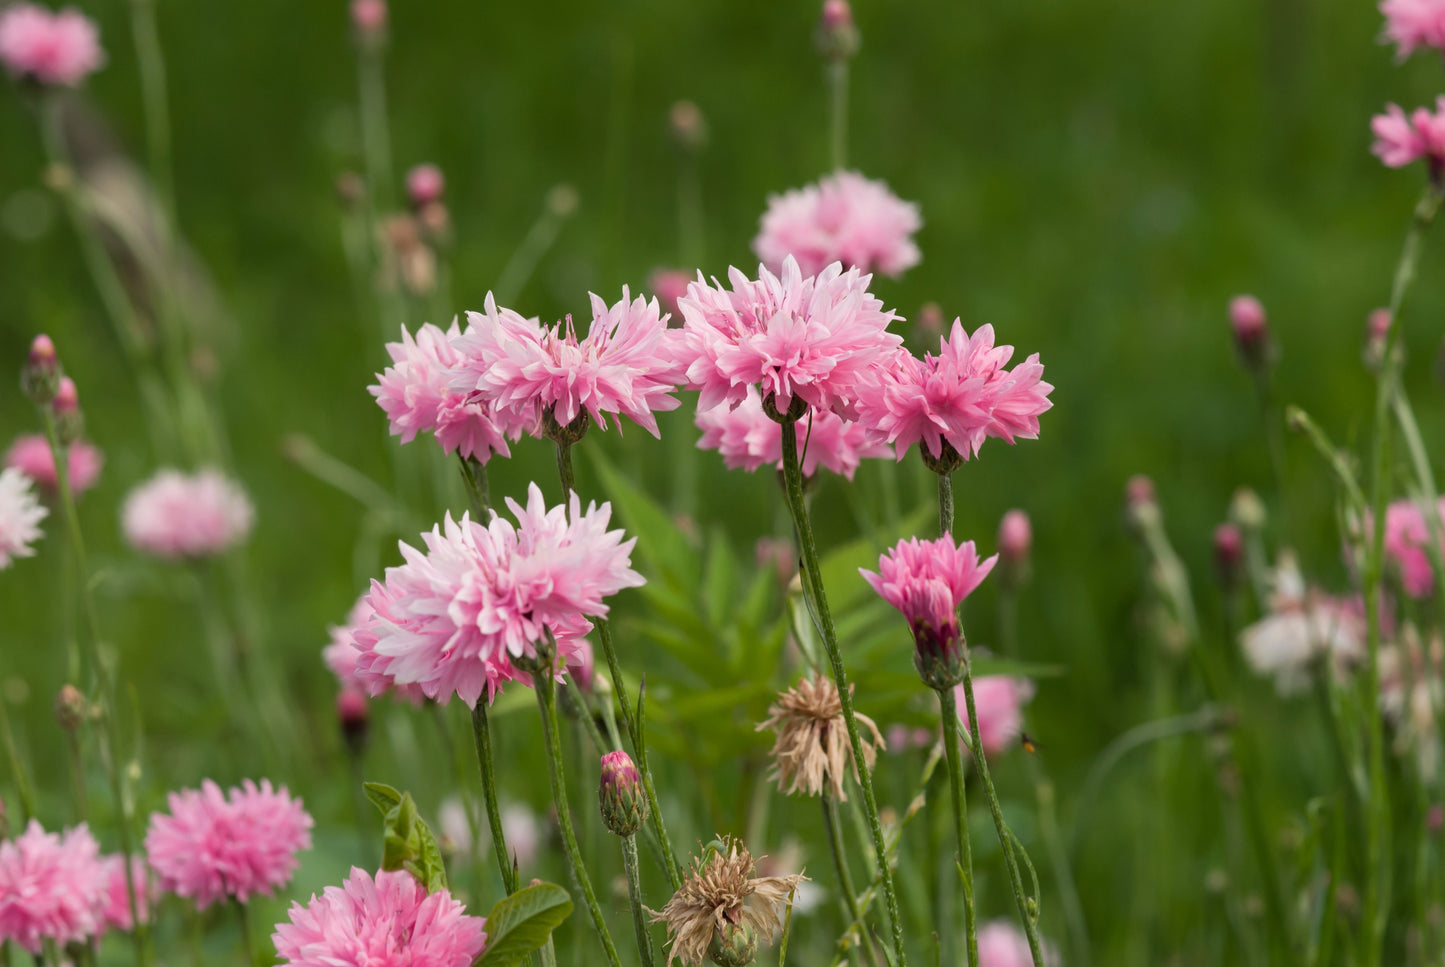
pixel 812 753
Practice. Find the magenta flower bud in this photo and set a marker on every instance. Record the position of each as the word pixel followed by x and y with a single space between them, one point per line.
pixel 369 18
pixel 1228 553
pixel 836 14
pixel 624 806
pixel 424 185
pixel 1377 331
pixel 1015 536
pixel 69 421
pixel 837 37
pixel 1141 509
pixel 70 708
pixel 353 714
pixel 1435 820
pixel 689 127
pixel 1251 330
pixel 931 319
pixel 40 379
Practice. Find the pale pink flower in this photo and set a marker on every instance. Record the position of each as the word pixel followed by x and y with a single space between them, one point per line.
pixel 1303 626
pixel 177 515
pixel 50 887
pixel 999 702
pixel 425 184
pixel 1410 24
pixel 388 921
pixel 414 394
pixel 20 515
pixel 115 896
pixel 454 616
pixel 748 439
pixel 31 455
pixel 1407 535
pixel 238 844
pixel 1399 140
pixel 813 337
pixel 844 218
pixel 1002 944
pixel 341 654
pixel 960 397
pixel 624 366
pixel 52 48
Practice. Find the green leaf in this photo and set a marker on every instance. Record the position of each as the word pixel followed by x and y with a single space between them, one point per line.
pixel 429 867
pixel 522 923
pixel 382 796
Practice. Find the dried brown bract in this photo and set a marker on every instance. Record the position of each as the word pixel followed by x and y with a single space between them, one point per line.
pixel 812 752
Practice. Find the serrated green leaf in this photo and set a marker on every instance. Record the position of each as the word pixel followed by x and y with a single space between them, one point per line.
pixel 522 922
pixel 382 796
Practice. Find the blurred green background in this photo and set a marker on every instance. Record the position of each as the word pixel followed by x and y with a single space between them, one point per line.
pixel 1096 179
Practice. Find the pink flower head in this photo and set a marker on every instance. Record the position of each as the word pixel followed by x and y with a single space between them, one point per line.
pixel 20 516
pixel 748 439
pixel 1247 316
pixel 237 844
pixel 368 17
pixel 843 218
pixel 1401 140
pixel 415 396
pixel 999 701
pixel 454 616
pixel 625 365
pixel 341 654
pixel 1001 944
pixel 52 48
pixel 31 455
pixel 1410 24
pixel 50 887
pixel 812 337
pixel 1015 535
pixel 177 515
pixel 1407 535
pixel 425 184
pixel 956 399
pixel 389 921
pixel 115 896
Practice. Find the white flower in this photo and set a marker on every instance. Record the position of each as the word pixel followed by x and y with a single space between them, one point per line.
pixel 20 515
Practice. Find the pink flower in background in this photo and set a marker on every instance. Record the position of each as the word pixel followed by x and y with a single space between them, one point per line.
pixel 960 397
pixel 669 285
pixel 20 516
pixel 115 897
pixel 341 655
pixel 1410 24
pixel 928 580
pixel 1015 535
pixel 186 515
pixel 368 16
pixel 1401 140
pixel 425 184
pixel 1303 625
pixel 31 455
pixel 624 366
pixel 242 843
pixel 50 887
pixel 52 48
pixel 415 396
pixel 389 921
pixel 1407 535
pixel 1001 944
pixel 844 218
pixel 999 701
pixel 813 337
pixel 451 619
pixel 748 439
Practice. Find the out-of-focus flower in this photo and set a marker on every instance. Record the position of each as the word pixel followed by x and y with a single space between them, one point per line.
pixel 689 127
pixel 1251 330
pixel 524 836
pixel 115 896
pixel 353 715
pixel 177 515
pixel 1407 535
pixel 748 439
pixel 50 887
pixel 812 753
pixel 1377 333
pixel 669 285
pixel 238 844
pixel 69 418
pixel 1303 626
pixel 60 47
pixel 999 702
pixel 813 338
pixel 425 184
pixel 1228 553
pixel 40 377
pixel 341 654
pixel 723 908
pixel 31 455
pixel 452 619
pixel 415 395
pixel 1015 535
pixel 837 34
pixel 1410 24
pixel 1410 692
pixel 389 921
pixel 1002 944
pixel 1401 140
pixel 625 366
pixel 844 218
pixel 369 18
pixel 407 259
pixel 20 515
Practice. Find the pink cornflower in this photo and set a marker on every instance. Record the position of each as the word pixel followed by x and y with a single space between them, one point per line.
pixel 999 701
pixel 1407 535
pixel 789 335
pixel 31 455
pixel 415 396
pixel 748 439
pixel 115 896
pixel 1410 24
pixel 452 619
pixel 177 515
pixel 425 184
pixel 1001 944
pixel 1401 140
pixel 238 844
pixel 341 654
pixel 20 516
pixel 388 921
pixel 52 48
pixel 624 366
pixel 844 218
pixel 50 887
pixel 956 400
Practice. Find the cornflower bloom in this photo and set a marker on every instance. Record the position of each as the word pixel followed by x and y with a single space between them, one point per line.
pixel 812 753
pixel 341 654
pixel 20 516
pixel 31 455
pixel 1303 626
pixel 453 618
pixel 844 218
pixel 50 887
pixel 748 439
pixel 1407 535
pixel 1411 24
pixel 999 701
pixel 238 844
pixel 50 48
pixel 425 184
pixel 388 921
pixel 175 515
pixel 624 366
pixel 1401 140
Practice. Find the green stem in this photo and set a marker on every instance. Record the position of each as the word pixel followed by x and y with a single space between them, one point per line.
pixel 153 96
pixel 474 476
pixel 634 897
pixel 243 914
pixel 793 482
pixel 17 768
pixel 838 111
pixel 840 863
pixel 589 725
pixel 945 504
pixel 948 709
pixel 564 470
pixel 482 735
pixel 1063 870
pixel 77 771
pixel 375 133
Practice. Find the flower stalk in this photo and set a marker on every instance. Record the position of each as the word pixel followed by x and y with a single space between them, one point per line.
pixel 948 709
pixel 482 737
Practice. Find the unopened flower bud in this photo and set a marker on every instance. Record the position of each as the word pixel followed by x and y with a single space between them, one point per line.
pixel 350 189
pixel 947 460
pixel 1228 554
pixel 733 944
pixel 369 17
pixel 1247 510
pixel 425 184
pixel 1015 538
pixel 69 421
pixel 939 654
pixel 624 806
pixel 1251 330
pixel 1377 332
pixel 689 127
pixel 70 708
pixel 40 379
pixel 1141 508
pixel 930 319
pixel 353 714
pixel 837 35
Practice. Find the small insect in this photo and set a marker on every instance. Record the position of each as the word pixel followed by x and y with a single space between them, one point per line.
pixel 1028 743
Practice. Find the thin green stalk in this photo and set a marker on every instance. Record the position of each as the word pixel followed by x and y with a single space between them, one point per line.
pixel 1063 869
pixel 634 898
pixel 840 863
pixel 153 96
pixel 482 736
pixel 584 714
pixel 793 482
pixel 375 130
pixel 564 470
pixel 945 504
pixel 474 476
pixel 17 768
pixel 77 771
pixel 248 947
pixel 838 111
pixel 948 710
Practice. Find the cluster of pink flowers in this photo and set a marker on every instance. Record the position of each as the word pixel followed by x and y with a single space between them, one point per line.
pixel 30 454
pixel 1411 24
pixel 386 921
pixel 238 844
pixel 748 439
pixel 51 48
pixel 452 619
pixel 176 515
pixel 20 515
pixel 999 702
pixel 844 218
pixel 1407 535
pixel 1401 140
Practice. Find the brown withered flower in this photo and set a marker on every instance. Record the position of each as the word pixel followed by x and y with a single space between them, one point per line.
pixel 722 910
pixel 812 752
